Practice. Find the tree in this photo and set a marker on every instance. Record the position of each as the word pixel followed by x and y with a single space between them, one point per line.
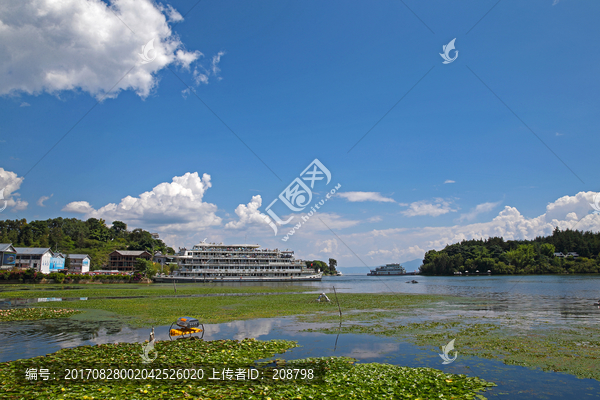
pixel 332 265
pixel 145 267
pixel 118 229
pixel 171 267
pixel 27 238
pixel 67 263
pixel 547 249
pixel 119 226
pixel 317 265
pixel 56 237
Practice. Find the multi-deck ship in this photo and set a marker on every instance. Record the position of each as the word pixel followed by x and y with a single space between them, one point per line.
pixel 211 262
pixel 388 269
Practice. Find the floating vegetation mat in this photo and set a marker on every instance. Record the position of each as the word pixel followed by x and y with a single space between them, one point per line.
pixel 153 311
pixel 572 349
pixel 130 289
pixel 31 314
pixel 88 368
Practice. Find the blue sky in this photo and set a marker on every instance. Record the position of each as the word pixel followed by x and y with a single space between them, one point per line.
pixel 298 82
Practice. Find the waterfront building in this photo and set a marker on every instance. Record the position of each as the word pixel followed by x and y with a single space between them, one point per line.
pixel 163 259
pixel 37 258
pixel 569 254
pixel 124 260
pixel 79 263
pixel 8 256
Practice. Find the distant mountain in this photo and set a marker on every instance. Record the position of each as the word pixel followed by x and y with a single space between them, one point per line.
pixel 353 270
pixel 409 266
pixel 412 265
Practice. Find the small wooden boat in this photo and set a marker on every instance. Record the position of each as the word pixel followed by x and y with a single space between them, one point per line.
pixel 186 326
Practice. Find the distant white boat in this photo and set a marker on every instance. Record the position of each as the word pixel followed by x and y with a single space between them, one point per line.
pixel 388 269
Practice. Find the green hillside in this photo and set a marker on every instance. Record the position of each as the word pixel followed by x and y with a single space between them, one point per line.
pixel 71 235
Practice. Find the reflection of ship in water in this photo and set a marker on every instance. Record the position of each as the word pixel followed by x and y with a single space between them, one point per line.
pixel 387 270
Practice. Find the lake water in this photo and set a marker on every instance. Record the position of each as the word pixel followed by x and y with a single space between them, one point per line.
pixel 564 296
pixel 27 339
pixel 557 298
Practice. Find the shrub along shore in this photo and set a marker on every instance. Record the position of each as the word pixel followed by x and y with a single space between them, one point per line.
pixel 31 276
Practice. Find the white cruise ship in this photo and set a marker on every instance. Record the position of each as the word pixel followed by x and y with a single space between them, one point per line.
pixel 211 262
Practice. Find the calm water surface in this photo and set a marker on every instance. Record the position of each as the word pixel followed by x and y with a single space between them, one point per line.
pixel 565 296
pixel 24 340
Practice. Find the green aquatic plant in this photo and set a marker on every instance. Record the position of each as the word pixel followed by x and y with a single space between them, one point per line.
pixel 549 347
pixel 332 377
pixel 31 314
pixel 147 311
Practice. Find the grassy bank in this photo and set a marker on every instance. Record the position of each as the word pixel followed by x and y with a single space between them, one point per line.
pixel 334 378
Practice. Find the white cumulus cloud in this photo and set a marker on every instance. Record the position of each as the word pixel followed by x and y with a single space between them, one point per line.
pixel 10 182
pixel 79 207
pixel 173 14
pixel 42 199
pixel 365 196
pixel 479 209
pixel 567 212
pixel 170 207
pixel 433 209
pixel 52 46
pixel 248 214
pixel 396 253
pixel 328 246
pixel 325 221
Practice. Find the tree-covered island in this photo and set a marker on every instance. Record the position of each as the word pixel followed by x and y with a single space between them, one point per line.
pixel 564 252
